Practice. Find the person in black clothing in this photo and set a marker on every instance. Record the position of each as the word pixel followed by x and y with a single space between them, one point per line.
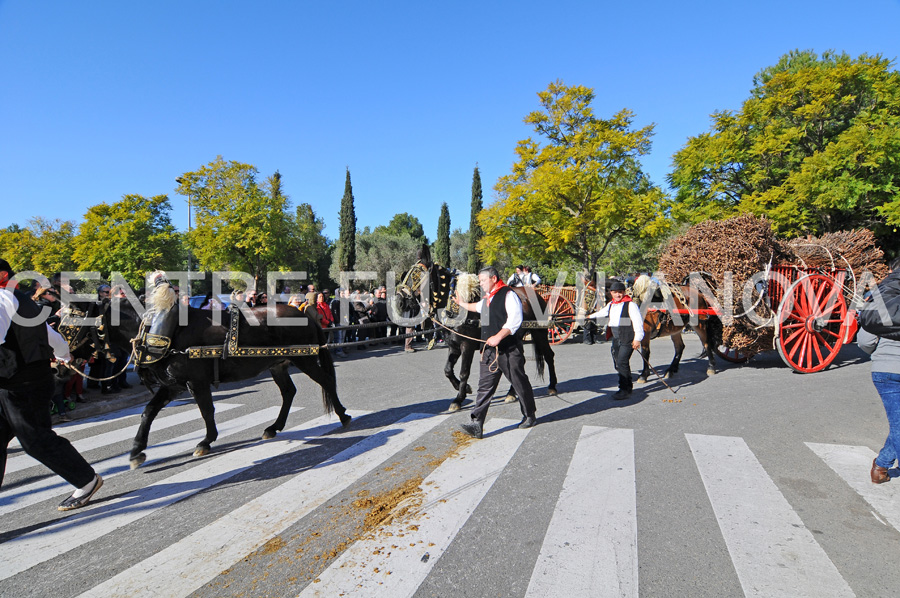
pixel 501 317
pixel 26 385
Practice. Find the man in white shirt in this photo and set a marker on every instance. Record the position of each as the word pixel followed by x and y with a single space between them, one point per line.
pixel 626 326
pixel 25 392
pixel 501 318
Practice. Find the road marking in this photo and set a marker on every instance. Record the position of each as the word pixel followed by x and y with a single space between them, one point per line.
pixel 100 440
pixel 590 548
pixel 451 493
pixel 181 568
pixel 34 548
pixel 852 464
pixel 53 486
pixel 773 552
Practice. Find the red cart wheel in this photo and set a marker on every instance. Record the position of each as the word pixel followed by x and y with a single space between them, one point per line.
pixel 563 322
pixel 809 334
pixel 732 355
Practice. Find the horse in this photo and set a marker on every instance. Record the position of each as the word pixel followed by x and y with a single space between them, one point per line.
pixel 175 370
pixel 658 323
pixel 443 282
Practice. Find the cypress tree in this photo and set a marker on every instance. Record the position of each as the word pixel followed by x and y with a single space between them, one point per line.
pixel 475 230
pixel 347 240
pixel 442 243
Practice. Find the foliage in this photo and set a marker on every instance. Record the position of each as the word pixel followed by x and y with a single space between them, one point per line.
pixel 475 232
pixel 239 225
pixel 573 196
pixel 814 148
pixel 311 251
pixel 442 243
pixel 44 246
pixel 404 223
pixel 381 251
pixel 132 236
pixel 459 250
pixel 346 246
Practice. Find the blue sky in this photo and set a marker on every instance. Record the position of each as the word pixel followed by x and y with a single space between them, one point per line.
pixel 101 99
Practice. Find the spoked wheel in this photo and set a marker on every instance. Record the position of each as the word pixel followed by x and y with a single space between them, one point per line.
pixel 563 323
pixel 732 355
pixel 809 319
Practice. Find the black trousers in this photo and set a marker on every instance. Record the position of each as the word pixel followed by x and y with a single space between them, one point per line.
pixel 621 354
pixel 25 414
pixel 510 363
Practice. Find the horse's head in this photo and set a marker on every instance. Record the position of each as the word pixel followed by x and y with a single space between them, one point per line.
pixel 424 286
pixel 469 290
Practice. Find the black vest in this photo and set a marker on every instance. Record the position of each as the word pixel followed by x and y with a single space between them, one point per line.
pixel 29 343
pixel 624 332
pixel 496 318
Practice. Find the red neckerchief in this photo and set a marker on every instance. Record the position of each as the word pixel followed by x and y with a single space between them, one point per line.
pixel 500 285
pixel 624 299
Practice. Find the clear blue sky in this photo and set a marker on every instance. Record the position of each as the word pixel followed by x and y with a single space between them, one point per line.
pixel 101 99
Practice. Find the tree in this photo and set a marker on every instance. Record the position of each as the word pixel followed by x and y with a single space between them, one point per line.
pixel 404 224
pixel 475 234
pixel 132 236
pixel 381 251
pixel 44 246
pixel 442 243
pixel 814 148
pixel 569 198
pixel 459 249
pixel 346 247
pixel 239 225
pixel 311 251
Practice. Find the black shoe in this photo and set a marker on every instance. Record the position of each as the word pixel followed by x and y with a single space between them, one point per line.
pixel 527 422
pixel 80 399
pixel 474 429
pixel 588 342
pixel 621 395
pixel 76 503
pixel 110 390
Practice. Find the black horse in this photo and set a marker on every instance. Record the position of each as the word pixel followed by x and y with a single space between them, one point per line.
pixel 176 371
pixel 443 283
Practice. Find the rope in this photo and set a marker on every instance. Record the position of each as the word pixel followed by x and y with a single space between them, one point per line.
pixel 83 375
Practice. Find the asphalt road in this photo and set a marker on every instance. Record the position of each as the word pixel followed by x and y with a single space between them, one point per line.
pixel 750 482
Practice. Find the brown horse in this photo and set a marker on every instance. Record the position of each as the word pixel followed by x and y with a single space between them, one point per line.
pixel 441 283
pixel 669 314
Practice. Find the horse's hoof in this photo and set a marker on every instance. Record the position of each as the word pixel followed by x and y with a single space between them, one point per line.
pixel 345 420
pixel 468 389
pixel 136 462
pixel 667 375
pixel 454 406
pixel 641 381
pixel 201 451
pixel 552 392
pixel 710 372
pixel 269 434
pixel 510 399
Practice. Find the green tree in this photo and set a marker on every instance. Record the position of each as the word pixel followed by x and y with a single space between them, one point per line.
pixel 814 148
pixel 311 251
pixel 404 224
pixel 44 246
pixel 346 246
pixel 239 225
pixel 382 251
pixel 442 243
pixel 569 198
pixel 132 236
pixel 475 232
pixel 459 249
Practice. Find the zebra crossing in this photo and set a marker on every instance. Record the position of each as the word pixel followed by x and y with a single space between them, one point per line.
pixel 590 546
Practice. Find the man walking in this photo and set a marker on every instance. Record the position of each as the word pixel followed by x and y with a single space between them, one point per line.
pixel 501 317
pixel 26 387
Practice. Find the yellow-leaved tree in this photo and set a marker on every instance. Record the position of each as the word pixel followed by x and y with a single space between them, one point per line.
pixel 568 198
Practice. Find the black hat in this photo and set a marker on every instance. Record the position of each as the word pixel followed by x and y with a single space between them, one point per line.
pixel 5 267
pixel 617 286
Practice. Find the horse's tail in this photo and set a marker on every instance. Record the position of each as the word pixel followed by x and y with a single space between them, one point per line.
pixel 714 330
pixel 540 341
pixel 326 361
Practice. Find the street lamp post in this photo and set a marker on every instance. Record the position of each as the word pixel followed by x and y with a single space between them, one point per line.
pixel 180 181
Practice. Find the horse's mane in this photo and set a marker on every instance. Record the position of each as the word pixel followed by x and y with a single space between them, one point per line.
pixel 644 287
pixel 468 287
pixel 162 296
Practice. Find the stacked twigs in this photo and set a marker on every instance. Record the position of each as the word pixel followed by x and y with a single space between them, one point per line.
pixel 745 246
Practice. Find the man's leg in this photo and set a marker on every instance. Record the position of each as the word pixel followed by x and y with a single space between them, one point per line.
pixel 512 363
pixel 488 379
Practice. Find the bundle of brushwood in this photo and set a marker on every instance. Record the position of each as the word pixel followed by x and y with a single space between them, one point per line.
pixel 745 246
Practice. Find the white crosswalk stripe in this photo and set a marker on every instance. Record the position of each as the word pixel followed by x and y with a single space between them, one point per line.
pixel 590 547
pixel 773 553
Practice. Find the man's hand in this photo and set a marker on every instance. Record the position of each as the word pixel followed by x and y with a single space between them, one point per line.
pixel 635 345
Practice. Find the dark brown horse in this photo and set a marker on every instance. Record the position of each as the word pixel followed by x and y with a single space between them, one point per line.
pixel 440 283
pixel 176 371
pixel 661 321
